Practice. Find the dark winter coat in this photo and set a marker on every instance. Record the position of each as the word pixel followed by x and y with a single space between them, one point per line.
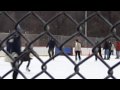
pixel 14 45
pixel 99 48
pixel 107 45
pixel 51 44
pixel 26 57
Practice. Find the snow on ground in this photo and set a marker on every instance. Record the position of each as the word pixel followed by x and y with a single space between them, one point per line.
pixel 61 68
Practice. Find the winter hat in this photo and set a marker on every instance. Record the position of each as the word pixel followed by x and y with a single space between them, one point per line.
pixel 11 40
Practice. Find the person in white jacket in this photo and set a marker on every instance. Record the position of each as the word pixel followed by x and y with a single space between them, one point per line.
pixel 77 50
pixel 112 49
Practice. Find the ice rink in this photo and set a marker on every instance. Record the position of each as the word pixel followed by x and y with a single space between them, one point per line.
pixel 61 68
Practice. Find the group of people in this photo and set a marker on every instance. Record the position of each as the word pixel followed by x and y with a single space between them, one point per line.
pixel 14 49
pixel 13 45
pixel 109 49
pixel 51 44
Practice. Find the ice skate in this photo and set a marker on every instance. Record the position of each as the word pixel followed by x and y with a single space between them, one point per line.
pixel 27 69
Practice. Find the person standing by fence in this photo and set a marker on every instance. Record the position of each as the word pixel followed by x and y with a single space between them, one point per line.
pixel 77 50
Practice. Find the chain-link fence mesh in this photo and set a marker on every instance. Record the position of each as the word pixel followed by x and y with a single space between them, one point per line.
pixel 46 26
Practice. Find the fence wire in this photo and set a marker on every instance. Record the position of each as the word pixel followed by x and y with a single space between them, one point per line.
pixel 46 25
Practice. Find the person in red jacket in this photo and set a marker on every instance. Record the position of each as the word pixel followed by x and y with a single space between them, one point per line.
pixel 117 46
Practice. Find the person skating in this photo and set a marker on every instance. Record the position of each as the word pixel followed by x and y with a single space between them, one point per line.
pixel 77 50
pixel 14 49
pixel 110 49
pixel 117 46
pixel 51 46
pixel 107 50
pixel 26 58
pixel 98 50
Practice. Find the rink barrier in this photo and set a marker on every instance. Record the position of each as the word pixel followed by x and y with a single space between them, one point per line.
pixel 67 50
pixel 77 32
pixel 43 51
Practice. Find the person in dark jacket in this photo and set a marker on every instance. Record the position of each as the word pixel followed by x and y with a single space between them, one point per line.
pixel 107 48
pixel 14 49
pixel 99 51
pixel 110 50
pixel 51 45
pixel 26 58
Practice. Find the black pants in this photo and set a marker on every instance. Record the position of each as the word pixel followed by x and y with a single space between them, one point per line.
pixel 51 52
pixel 110 53
pixel 77 53
pixel 29 61
pixel 26 58
pixel 16 67
pixel 28 64
pixel 100 54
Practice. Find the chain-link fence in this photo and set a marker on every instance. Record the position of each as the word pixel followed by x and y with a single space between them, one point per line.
pixel 46 31
pixel 43 41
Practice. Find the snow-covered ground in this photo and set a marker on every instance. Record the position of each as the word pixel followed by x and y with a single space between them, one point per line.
pixel 61 68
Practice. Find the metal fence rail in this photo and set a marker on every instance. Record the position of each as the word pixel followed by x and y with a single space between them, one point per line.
pixel 46 31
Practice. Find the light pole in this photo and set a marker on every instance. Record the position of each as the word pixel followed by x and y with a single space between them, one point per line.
pixel 86 15
pixel 9 31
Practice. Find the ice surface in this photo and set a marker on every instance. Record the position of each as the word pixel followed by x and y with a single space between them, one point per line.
pixel 61 68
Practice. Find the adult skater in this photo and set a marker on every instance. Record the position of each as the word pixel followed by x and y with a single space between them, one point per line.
pixel 51 45
pixel 117 46
pixel 112 49
pixel 77 49
pixel 26 58
pixel 98 51
pixel 107 48
pixel 14 49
